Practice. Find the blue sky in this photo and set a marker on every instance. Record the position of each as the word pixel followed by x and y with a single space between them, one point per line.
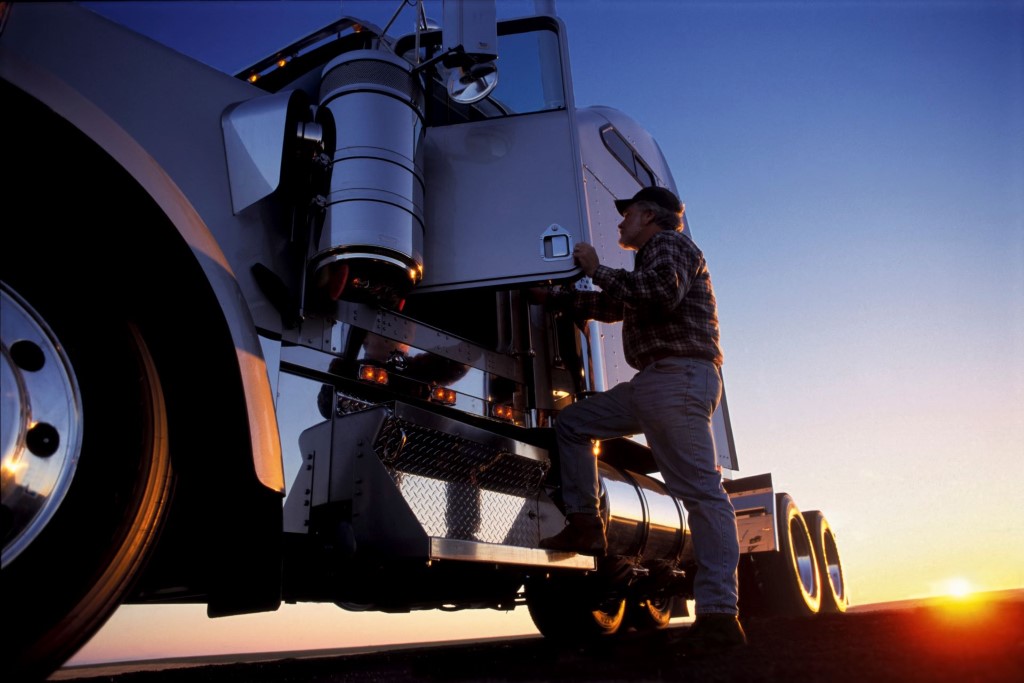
pixel 854 172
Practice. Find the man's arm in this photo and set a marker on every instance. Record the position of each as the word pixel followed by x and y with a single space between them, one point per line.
pixel 663 279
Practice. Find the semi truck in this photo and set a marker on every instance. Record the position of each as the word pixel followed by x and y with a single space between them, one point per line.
pixel 267 336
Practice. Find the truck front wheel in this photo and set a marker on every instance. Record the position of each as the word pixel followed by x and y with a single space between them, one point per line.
pixel 86 472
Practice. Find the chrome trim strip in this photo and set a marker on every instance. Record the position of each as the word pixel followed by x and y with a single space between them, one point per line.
pixel 470 551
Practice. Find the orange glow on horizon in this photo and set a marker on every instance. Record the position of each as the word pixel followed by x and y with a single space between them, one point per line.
pixel 965 633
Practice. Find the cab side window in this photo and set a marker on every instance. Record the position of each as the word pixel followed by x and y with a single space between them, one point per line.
pixel 627 156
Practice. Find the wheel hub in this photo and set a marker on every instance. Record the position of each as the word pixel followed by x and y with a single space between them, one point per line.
pixel 40 423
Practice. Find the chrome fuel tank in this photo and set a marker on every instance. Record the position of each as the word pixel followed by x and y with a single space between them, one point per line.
pixel 643 520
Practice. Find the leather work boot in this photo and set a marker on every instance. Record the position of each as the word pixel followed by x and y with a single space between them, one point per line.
pixel 583 534
pixel 712 633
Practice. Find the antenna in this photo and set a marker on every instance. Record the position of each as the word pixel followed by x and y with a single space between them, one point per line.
pixel 398 11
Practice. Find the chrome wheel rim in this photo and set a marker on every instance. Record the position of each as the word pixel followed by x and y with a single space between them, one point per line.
pixel 834 568
pixel 40 423
pixel 803 555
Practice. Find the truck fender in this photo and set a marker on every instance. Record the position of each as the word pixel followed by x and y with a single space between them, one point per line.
pixel 67 103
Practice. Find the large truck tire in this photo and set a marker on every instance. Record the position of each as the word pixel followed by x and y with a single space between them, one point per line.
pixel 784 582
pixel 88 440
pixel 834 597
pixel 650 614
pixel 566 609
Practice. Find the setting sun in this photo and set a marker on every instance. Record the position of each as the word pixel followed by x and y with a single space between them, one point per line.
pixel 959 588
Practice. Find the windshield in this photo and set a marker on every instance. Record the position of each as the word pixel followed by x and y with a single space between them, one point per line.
pixel 529 74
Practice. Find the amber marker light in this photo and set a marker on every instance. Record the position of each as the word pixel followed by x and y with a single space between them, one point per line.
pixel 442 395
pixel 371 373
pixel 502 412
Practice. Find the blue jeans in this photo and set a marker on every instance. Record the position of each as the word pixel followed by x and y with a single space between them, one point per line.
pixel 671 402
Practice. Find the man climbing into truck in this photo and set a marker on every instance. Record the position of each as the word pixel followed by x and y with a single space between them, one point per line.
pixel 671 337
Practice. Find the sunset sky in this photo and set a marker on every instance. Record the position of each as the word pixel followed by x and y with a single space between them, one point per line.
pixel 854 172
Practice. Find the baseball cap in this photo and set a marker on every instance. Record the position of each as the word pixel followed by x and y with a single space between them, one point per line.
pixel 661 196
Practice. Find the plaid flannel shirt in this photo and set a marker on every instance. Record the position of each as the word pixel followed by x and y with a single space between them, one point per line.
pixel 666 303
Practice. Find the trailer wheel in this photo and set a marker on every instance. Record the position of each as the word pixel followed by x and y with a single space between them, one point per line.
pixel 649 614
pixel 830 568
pixel 568 609
pixel 86 473
pixel 785 582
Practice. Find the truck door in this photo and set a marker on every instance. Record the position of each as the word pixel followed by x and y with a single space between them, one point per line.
pixel 503 198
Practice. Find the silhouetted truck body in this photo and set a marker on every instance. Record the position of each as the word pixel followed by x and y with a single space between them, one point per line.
pixel 266 337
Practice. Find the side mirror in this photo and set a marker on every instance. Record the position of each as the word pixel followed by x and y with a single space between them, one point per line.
pixel 472 83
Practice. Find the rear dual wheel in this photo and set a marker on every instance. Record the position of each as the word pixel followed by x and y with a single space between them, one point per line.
pixel 569 608
pixel 786 582
pixel 649 614
pixel 830 567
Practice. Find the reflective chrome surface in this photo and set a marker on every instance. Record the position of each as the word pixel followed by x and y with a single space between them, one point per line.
pixel 626 512
pixel 807 568
pixel 40 422
pixel 665 519
pixel 418 356
pixel 753 498
pixel 467 87
pixel 374 220
pixel 448 549
pixel 255 139
pixel 643 519
pixel 465 512
pixel 468 493
pixel 834 569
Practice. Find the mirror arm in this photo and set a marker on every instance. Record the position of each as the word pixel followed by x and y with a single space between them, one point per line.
pixel 451 57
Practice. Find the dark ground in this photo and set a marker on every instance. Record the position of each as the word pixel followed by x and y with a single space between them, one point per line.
pixel 972 641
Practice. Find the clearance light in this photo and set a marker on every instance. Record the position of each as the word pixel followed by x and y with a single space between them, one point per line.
pixel 281 63
pixel 253 78
pixel 502 412
pixel 442 395
pixel 370 373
